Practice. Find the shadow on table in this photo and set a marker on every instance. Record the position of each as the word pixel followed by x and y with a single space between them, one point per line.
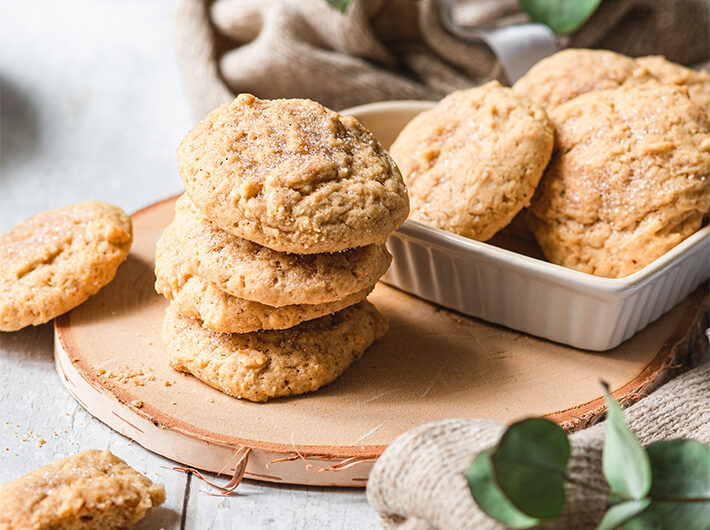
pixel 33 343
pixel 131 291
pixel 159 518
pixel 20 131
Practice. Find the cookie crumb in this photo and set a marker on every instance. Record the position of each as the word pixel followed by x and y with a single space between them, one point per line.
pixel 127 375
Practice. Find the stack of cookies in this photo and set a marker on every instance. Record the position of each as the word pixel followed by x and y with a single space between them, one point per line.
pixel 275 246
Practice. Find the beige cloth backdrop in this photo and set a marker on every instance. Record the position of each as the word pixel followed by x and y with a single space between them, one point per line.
pixel 391 49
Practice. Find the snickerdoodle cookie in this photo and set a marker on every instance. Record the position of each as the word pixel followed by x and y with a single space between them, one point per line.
pixel 629 180
pixel 91 490
pixel 197 297
pixel 472 162
pixel 253 272
pixel 54 261
pixel 572 72
pixel 219 311
pixel 266 364
pixel 292 175
pixel 698 82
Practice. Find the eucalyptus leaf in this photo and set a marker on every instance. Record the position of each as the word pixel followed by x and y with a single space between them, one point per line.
pixel 626 465
pixel 680 469
pixel 665 515
pixel 529 466
pixel 340 5
pixel 618 514
pixel 561 16
pixel 490 498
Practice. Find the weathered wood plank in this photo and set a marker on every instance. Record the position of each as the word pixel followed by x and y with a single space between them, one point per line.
pixel 278 506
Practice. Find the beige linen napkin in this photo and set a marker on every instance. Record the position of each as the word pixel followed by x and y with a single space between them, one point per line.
pixel 391 49
pixel 418 482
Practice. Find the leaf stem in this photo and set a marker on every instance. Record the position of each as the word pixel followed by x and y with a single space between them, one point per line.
pixel 679 499
pixel 603 491
pixel 623 496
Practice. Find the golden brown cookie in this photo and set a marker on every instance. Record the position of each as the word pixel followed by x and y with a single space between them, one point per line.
pixel 198 298
pixel 219 311
pixel 267 364
pixel 91 490
pixel 472 162
pixel 252 272
pixel 54 261
pixel 698 82
pixel 572 72
pixel 292 176
pixel 629 180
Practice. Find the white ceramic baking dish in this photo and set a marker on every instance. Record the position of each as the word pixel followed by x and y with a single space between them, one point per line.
pixel 521 291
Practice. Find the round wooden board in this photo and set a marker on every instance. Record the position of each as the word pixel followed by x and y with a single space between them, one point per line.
pixel 432 364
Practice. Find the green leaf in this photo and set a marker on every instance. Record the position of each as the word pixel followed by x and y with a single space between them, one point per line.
pixel 561 16
pixel 680 469
pixel 622 512
pixel 490 498
pixel 625 463
pixel 340 5
pixel 664 515
pixel 529 466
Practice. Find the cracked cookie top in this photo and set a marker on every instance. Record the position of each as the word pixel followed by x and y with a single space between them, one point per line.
pixel 54 261
pixel 292 175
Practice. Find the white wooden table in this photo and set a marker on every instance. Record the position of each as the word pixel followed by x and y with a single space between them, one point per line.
pixel 91 107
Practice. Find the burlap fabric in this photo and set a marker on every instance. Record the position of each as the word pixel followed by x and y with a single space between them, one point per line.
pixel 391 49
pixel 418 482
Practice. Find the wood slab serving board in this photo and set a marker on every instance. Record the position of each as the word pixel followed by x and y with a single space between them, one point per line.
pixel 432 364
